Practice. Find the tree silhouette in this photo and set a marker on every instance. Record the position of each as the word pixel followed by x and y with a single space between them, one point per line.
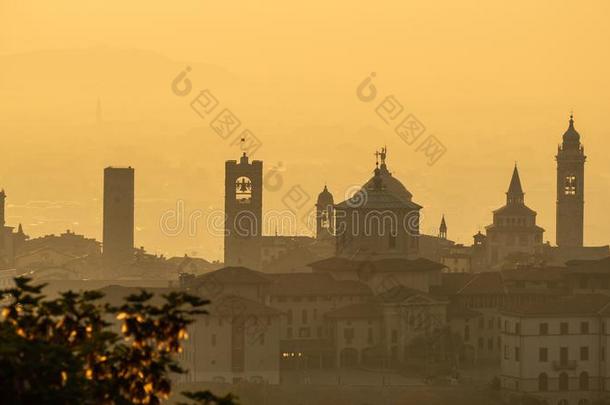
pixel 64 351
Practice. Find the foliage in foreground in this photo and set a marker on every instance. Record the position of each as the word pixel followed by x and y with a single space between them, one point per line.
pixel 65 350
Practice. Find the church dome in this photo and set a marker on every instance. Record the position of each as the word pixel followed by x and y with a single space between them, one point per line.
pixel 571 135
pixel 390 183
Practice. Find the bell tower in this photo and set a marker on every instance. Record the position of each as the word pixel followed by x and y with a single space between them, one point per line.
pixel 325 218
pixel 570 189
pixel 243 212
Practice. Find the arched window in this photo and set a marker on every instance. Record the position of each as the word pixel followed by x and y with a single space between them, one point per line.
pixel 243 190
pixel 564 382
pixel 583 381
pixel 543 382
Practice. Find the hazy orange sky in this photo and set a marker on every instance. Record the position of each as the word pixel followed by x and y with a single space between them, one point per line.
pixel 494 81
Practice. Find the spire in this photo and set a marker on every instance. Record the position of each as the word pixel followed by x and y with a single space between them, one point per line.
pixel 571 137
pixel 442 229
pixel 515 192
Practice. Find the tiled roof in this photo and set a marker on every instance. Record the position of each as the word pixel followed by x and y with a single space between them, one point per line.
pixel 451 283
pixel 534 274
pixel 373 265
pixel 318 284
pixel 234 275
pixel 589 266
pixel 361 310
pixel 573 305
pixel 401 293
pixel 483 283
pixel 461 312
pixel 236 306
pixel 515 209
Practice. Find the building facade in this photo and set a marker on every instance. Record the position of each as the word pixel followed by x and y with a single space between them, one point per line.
pixel 555 352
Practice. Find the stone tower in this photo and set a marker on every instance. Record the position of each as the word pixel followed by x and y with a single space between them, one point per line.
pixel 243 212
pixel 118 216
pixel 325 218
pixel 570 189
pixel 2 201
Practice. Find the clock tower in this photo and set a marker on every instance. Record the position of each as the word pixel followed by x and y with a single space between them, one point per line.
pixel 570 189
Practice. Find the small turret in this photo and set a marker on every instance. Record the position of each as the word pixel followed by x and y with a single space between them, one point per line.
pixel 515 194
pixel 442 229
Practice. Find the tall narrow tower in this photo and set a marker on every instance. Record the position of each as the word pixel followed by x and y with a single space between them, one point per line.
pixel 118 216
pixel 2 200
pixel 243 212
pixel 325 217
pixel 570 189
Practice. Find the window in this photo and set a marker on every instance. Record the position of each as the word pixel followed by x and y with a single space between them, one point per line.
pixel 543 354
pixel 506 355
pixel 466 333
pixel 563 356
pixel 490 324
pixel 564 382
pixel 584 353
pixel 517 354
pixel 304 332
pixel 289 316
pixel 213 340
pixel 518 328
pixel 490 344
pixel 584 328
pixel 304 316
pixel 544 328
pixel 543 382
pixel 563 328
pixel 243 190
pixel 289 333
pixel 320 331
pixel 481 323
pixel 570 185
pixel 481 343
pixel 583 381
pixel 348 334
pixel 370 336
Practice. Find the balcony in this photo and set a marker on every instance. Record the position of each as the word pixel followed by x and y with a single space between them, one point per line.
pixel 564 365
